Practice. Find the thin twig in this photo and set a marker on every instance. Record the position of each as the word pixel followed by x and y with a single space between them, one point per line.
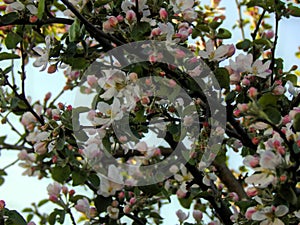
pixel 9 165
pixel 72 217
pixel 272 66
pixel 241 21
pixel 15 147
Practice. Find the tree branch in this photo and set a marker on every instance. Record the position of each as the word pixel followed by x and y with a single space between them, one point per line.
pixel 229 180
pixel 241 25
pixel 57 20
pixel 221 208
pixel 272 66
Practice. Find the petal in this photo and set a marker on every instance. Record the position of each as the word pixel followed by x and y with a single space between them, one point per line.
pixel 258 216
pixel 281 210
pixel 103 107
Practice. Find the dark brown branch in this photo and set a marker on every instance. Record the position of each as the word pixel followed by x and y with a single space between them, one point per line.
pixel 229 180
pixel 254 34
pixel 295 102
pixel 24 99
pixel 15 147
pixel 244 138
pixel 40 22
pixel 221 208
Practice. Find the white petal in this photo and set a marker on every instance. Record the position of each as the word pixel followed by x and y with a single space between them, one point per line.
pixel 281 210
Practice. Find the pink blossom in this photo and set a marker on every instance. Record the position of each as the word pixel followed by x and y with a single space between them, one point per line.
pixel 198 215
pixel 182 216
pixel 83 206
pixel 249 212
pixel 252 92
pixel 54 189
pixel 163 14
pixel 130 16
pixel 2 204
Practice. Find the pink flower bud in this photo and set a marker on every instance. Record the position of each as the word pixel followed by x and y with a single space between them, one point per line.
pixel 71 192
pixel 243 107
pixel 252 92
pixel 155 32
pixel 93 212
pixel 180 193
pixel 40 147
pixel 231 50
pixel 250 212
pixel 113 21
pixel 233 196
pixel 163 14
pixel 120 18
pixel 252 191
pixel 121 195
pixel 65 190
pixel 133 77
pixel 237 113
pixel 53 198
pixel 246 82
pixel 126 209
pixel 92 80
pixel 145 100
pixel 269 34
pixel 2 204
pixel 198 215
pixel 278 90
pixel 47 96
pixel 31 223
pixel 132 201
pixel 181 215
pixel 130 16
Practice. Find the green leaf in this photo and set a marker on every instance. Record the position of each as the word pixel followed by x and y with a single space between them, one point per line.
pixel 76 63
pixel 60 143
pixel 268 99
pixel 2 139
pixel 140 30
pixel 151 189
pixel 12 39
pixel 294 10
pixel 41 9
pixel 186 202
pixel 57 214
pixel 14 218
pixel 273 114
pixel 6 55
pixel 61 174
pixel 292 78
pixel 223 33
pixel 94 179
pixel 78 177
pixel 222 76
pixel 287 193
pixel 74 31
pixel 230 97
pixel 296 123
pixel 296 149
pixel 9 18
pixel 102 203
pixel 214 24
pixel 81 135
pixel 43 202
pixel 244 45
pixel 264 42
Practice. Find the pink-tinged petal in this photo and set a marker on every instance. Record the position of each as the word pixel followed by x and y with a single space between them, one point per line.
pixel 39 50
pixel 258 216
pixel 103 107
pixel 260 180
pixel 277 222
pixel 203 54
pixel 209 46
pixel 281 210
